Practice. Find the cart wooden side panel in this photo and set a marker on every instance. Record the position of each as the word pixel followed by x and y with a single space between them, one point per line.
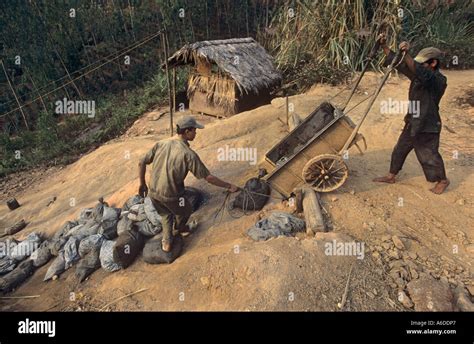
pixel 288 176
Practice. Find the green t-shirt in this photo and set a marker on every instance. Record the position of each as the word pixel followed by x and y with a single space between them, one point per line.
pixel 172 159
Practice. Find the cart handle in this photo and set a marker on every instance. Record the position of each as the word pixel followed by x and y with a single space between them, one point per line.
pixel 370 57
pixel 395 62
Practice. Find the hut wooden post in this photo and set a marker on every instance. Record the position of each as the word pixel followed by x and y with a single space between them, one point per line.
pixel 287 112
pixel 36 89
pixel 165 48
pixel 313 216
pixel 174 90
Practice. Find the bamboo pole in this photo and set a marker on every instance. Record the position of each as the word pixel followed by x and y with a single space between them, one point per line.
pixel 207 22
pixel 68 74
pixel 57 53
pixel 165 48
pixel 174 90
pixel 130 10
pixel 35 88
pixel 16 98
pixel 121 53
pixel 19 297
pixel 371 102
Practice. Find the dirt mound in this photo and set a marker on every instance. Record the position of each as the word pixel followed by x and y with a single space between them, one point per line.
pixel 222 269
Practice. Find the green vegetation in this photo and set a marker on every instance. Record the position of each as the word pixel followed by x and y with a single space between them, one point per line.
pixel 326 41
pixel 45 44
pixel 63 143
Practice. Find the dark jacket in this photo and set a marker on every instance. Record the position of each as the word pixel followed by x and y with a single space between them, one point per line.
pixel 426 87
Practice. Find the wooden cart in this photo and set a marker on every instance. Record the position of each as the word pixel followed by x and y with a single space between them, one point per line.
pixel 315 154
pixel 311 156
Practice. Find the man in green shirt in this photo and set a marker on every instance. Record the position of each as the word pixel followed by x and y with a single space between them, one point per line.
pixel 171 161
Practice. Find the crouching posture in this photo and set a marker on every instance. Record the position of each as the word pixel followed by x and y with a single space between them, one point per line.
pixel 171 161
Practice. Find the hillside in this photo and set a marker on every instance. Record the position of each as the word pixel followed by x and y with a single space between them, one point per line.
pixel 221 268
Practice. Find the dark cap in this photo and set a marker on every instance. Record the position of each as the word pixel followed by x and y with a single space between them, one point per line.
pixel 188 122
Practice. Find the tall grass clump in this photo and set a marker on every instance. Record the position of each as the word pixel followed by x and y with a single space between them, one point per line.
pixel 326 41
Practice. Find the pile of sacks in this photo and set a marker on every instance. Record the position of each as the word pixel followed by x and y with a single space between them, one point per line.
pixel 102 236
pixel 19 259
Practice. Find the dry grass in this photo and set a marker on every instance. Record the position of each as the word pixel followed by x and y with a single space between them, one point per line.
pixel 242 59
pixel 220 89
pixel 335 32
pixel 324 41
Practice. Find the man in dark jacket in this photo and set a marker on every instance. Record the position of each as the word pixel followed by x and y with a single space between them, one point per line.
pixel 423 125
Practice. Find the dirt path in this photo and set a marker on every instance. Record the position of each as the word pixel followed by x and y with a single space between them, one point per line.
pixel 222 269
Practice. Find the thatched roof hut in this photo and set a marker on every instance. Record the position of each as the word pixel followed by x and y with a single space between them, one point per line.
pixel 230 75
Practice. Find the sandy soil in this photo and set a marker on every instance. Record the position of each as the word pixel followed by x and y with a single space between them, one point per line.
pixel 221 268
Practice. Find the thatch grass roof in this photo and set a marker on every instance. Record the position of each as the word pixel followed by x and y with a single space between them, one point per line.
pixel 243 59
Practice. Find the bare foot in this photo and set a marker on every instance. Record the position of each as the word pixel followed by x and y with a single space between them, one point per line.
pixel 390 178
pixel 166 246
pixel 440 186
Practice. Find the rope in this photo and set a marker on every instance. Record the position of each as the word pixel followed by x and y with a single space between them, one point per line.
pixel 82 75
pixel 80 69
pixel 370 95
pixel 401 60
pixel 246 210
pixel 363 100
pixel 348 87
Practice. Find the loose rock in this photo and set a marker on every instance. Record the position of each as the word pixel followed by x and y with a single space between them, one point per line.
pixel 398 243
pixel 405 300
pixel 431 295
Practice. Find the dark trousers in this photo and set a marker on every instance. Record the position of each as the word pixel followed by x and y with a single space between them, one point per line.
pixel 426 149
pixel 175 213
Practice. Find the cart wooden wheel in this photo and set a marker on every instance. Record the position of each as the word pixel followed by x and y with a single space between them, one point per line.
pixel 325 172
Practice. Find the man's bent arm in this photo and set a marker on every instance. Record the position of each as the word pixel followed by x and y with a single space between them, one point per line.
pixel 141 172
pixel 217 182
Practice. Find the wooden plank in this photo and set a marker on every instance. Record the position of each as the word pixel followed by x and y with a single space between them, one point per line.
pixel 312 211
pixel 285 181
